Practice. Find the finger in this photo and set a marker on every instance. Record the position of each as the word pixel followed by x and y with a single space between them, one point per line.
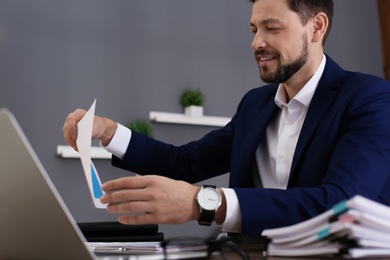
pixel 70 135
pixel 70 127
pixel 145 218
pixel 122 196
pixel 139 219
pixel 132 182
pixel 129 207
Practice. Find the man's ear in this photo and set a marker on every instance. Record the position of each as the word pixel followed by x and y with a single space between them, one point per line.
pixel 320 24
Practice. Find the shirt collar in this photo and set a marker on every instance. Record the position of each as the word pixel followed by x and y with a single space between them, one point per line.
pixel 305 95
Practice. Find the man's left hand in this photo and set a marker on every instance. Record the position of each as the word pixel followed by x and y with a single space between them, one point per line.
pixel 151 199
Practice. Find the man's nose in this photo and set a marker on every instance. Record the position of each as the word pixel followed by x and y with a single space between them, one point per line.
pixel 258 42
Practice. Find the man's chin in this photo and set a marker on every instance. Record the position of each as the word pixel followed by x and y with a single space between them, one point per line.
pixel 267 78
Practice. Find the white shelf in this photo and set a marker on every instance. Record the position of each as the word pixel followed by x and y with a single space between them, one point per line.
pixel 176 118
pixel 65 151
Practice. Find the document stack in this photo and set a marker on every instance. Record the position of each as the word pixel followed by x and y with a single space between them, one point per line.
pixel 355 228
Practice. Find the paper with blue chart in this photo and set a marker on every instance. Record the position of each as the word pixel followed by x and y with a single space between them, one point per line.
pixel 84 141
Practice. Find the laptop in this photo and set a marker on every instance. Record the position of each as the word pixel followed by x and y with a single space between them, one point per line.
pixel 34 221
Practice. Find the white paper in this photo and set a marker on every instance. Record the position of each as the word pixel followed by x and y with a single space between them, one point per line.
pixel 153 246
pixel 84 142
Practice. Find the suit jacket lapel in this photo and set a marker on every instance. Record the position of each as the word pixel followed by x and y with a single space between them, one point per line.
pixel 323 98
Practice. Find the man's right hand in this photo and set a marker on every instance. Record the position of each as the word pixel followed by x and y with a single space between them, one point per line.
pixel 103 128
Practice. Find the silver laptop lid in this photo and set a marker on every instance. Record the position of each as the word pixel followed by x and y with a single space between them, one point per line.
pixel 34 221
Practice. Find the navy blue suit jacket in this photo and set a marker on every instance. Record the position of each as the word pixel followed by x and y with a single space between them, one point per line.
pixel 343 150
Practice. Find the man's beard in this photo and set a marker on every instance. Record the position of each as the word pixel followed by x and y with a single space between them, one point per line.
pixel 284 71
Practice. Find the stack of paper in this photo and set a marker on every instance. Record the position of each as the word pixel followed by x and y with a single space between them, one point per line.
pixel 355 228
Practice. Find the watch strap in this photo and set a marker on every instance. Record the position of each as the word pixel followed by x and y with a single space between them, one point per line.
pixel 206 217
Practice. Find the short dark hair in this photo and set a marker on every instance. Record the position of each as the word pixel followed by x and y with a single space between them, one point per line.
pixel 306 9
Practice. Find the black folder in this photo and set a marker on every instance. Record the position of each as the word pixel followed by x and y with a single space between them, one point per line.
pixel 113 231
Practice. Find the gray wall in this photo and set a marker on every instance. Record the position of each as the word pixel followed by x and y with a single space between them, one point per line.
pixel 138 56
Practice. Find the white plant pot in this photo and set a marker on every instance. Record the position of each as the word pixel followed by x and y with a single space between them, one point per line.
pixel 193 111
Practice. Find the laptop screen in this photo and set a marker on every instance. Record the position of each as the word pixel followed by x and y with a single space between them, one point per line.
pixel 34 221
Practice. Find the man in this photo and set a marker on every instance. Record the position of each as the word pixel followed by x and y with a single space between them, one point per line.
pixel 313 137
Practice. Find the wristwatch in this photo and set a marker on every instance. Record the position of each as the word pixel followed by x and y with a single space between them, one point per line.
pixel 209 201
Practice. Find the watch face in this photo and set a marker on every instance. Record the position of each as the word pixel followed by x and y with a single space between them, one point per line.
pixel 209 198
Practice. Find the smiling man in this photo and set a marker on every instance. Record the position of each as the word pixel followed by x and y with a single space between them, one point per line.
pixel 315 135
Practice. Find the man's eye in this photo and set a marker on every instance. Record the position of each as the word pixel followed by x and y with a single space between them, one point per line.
pixel 273 28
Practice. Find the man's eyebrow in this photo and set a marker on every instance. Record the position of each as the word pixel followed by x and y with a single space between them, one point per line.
pixel 268 22
pixel 271 21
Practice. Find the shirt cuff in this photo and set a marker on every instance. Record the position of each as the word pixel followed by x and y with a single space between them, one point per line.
pixel 120 141
pixel 233 218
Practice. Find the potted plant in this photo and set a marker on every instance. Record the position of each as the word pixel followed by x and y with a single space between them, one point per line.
pixel 141 126
pixel 192 101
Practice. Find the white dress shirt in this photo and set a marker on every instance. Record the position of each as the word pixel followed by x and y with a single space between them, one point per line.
pixel 273 156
